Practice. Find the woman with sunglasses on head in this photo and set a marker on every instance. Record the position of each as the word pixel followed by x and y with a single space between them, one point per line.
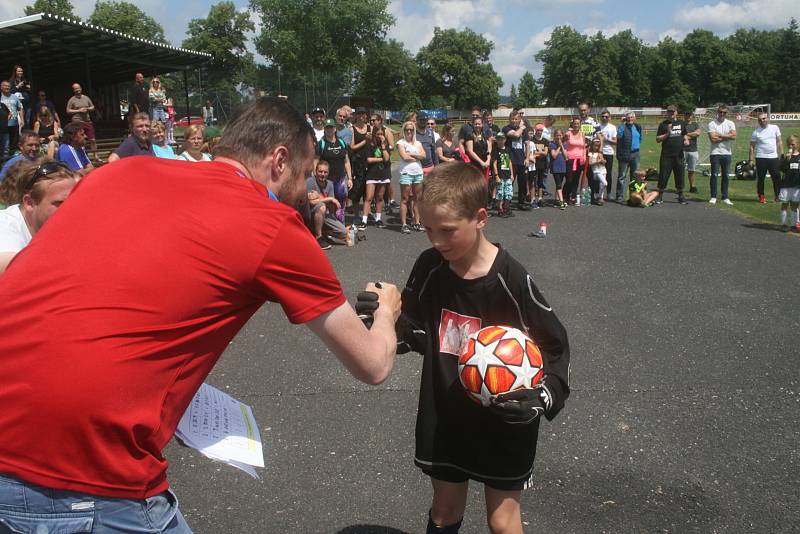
pixel 411 156
pixel 157 101
pixel 479 148
pixel 42 187
pixel 575 146
pixel 378 175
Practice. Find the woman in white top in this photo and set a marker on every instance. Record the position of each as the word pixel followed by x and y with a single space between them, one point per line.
pixel 411 154
pixel 193 144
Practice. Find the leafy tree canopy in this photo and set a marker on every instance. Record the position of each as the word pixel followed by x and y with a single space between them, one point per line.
pixel 127 18
pixel 455 66
pixel 63 8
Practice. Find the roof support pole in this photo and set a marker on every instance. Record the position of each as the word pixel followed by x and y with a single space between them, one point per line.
pixel 186 90
pixel 88 68
pixel 29 67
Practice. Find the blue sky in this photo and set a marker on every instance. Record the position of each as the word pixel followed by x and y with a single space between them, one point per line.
pixel 519 28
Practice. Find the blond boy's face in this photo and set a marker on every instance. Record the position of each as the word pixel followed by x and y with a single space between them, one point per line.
pixel 449 233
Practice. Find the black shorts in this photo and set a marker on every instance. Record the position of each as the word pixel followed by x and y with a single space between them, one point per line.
pixel 457 476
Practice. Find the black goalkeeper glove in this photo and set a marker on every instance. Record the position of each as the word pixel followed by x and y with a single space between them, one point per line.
pixel 522 406
pixel 366 304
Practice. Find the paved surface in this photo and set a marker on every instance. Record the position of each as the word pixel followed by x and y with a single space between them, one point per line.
pixel 683 324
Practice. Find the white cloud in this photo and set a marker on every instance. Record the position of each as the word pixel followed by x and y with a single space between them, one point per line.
pixel 612 29
pixel 726 17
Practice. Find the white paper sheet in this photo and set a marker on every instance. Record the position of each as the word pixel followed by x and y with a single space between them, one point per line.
pixel 223 429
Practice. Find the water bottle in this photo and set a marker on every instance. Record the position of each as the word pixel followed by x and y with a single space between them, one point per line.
pixel 587 196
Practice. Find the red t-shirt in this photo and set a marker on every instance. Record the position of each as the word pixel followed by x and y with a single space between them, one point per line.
pixel 118 309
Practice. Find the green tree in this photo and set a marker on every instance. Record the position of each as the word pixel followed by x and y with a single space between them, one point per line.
pixel 513 97
pixel 328 36
pixel 222 34
pixel 666 76
pixel 530 95
pixel 630 59
pixel 63 8
pixel 455 66
pixel 389 76
pixel 787 58
pixel 707 67
pixel 564 66
pixel 126 18
pixel 599 83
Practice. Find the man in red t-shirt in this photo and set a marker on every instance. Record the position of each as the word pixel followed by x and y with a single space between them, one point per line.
pixel 143 278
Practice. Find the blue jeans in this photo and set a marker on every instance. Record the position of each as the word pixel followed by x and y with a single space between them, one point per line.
pixel 723 162
pixel 630 166
pixel 30 509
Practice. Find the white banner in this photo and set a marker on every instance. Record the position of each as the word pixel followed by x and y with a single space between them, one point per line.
pixel 784 116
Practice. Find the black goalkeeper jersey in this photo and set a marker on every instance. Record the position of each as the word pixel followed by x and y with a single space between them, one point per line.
pixel 440 311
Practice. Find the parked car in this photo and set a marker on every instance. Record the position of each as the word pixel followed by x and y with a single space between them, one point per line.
pixel 186 121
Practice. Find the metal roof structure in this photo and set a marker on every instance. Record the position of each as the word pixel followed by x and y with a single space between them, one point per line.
pixel 54 47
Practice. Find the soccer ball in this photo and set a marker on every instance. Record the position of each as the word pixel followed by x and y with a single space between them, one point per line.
pixel 498 359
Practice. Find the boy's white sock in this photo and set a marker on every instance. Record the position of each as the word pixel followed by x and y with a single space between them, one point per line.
pixel 364 219
pixel 378 216
pixel 784 215
pixel 795 216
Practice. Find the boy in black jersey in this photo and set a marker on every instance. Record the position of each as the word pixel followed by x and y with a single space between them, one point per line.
pixel 459 286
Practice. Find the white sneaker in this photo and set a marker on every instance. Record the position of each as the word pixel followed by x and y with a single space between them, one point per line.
pixel 712 200
pixel 727 202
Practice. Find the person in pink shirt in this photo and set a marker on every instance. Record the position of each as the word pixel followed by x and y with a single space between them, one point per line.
pixel 575 145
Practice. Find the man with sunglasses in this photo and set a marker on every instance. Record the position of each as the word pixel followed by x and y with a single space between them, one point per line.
pixel 766 145
pixel 28 150
pixel 42 190
pixel 721 132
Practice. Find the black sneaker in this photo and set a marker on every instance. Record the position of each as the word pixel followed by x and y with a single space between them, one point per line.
pixel 523 207
pixel 361 225
pixel 659 200
pixel 682 200
pixel 418 227
pixel 379 224
pixel 323 243
pixel 405 229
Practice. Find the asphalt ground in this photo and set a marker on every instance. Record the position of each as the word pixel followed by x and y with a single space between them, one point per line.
pixel 684 333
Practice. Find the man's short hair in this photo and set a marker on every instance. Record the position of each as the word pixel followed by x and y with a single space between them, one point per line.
pixel 457 186
pixel 322 163
pixel 25 135
pixel 476 108
pixel 514 113
pixel 605 112
pixel 260 126
pixel 722 107
pixel 142 115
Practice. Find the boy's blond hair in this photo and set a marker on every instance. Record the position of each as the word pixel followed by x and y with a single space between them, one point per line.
pixel 458 186
pixel 639 174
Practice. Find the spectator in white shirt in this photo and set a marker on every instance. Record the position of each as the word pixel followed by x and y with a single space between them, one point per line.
pixel 766 145
pixel 721 132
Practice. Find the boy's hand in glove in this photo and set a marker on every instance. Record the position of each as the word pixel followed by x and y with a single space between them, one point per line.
pixel 366 304
pixel 522 406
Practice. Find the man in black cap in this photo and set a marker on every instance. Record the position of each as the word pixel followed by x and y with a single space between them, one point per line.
pixel 318 118
pixel 672 135
pixel 425 136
